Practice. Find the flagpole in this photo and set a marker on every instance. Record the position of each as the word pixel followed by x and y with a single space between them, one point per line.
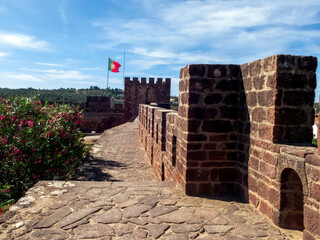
pixel 108 73
pixel 124 63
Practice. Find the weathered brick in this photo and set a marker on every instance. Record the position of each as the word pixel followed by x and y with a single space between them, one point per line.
pixel 265 209
pixel 315 191
pixel 195 112
pixel 227 174
pixel 251 99
pixel 298 98
pixel 268 170
pixel 270 64
pixel 210 113
pixel 194 175
pixel 196 137
pixel 216 71
pixel 213 98
pixel 217 126
pixel 289 80
pixel 272 80
pixel 311 220
pixel 199 84
pixel 255 68
pixel 270 158
pixel 232 85
pixel 290 116
pixel 231 99
pixel 307 63
pixel 217 155
pixel 266 132
pixel 247 84
pixel 258 114
pixel 197 70
pixel 229 112
pixel 253 163
pixel 197 155
pixel 274 197
pixel 268 98
pixel 252 184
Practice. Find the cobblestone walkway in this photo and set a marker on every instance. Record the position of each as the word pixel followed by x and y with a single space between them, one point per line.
pixel 122 200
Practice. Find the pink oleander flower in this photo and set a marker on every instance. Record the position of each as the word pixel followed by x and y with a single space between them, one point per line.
pixel 35 176
pixel 5 190
pixel 64 151
pixel 4 141
pixel 2 117
pixel 16 151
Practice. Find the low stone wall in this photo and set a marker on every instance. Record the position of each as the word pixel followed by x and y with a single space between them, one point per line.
pixel 99 122
pixel 243 130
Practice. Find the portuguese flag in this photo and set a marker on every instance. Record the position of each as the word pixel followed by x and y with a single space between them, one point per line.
pixel 113 66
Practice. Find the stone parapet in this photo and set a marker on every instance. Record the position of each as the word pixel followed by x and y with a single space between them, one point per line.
pixel 242 130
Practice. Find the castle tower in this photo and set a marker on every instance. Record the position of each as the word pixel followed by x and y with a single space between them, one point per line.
pixel 136 93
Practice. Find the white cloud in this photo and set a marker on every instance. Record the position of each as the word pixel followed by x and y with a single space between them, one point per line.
pixel 24 77
pixel 22 41
pixel 4 54
pixel 67 75
pixel 50 64
pixel 213 31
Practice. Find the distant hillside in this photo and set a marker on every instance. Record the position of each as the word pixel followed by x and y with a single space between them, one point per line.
pixel 64 94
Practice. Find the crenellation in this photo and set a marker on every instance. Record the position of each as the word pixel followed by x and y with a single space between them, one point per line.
pixel 236 133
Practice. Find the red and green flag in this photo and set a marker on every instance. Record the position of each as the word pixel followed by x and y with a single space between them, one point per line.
pixel 113 66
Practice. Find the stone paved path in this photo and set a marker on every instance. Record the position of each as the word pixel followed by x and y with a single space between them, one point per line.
pixel 117 156
pixel 123 201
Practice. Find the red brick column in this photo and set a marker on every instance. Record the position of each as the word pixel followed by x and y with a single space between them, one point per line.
pixel 279 93
pixel 208 112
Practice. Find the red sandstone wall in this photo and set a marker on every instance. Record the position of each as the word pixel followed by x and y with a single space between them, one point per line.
pixel 231 132
pixel 136 93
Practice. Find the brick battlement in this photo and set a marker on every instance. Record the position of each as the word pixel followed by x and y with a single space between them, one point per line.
pixel 151 81
pixel 136 93
pixel 234 134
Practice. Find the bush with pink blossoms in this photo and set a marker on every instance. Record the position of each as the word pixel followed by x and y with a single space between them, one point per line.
pixel 37 142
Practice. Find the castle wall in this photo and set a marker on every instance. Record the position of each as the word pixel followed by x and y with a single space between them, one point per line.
pixel 233 134
pixel 136 93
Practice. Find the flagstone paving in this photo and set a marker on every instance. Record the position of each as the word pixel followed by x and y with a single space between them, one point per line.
pixel 121 199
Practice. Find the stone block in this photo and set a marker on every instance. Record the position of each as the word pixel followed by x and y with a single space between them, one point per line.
pixel 268 98
pixel 232 85
pixel 251 99
pixel 229 112
pixel 255 68
pixel 307 63
pixel 258 82
pixel 195 175
pixel 227 174
pixel 258 114
pixel 217 126
pixel 197 70
pixel 311 220
pixel 217 71
pixel 197 155
pixel 298 98
pixel 213 98
pixel 294 81
pixel 270 64
pixel 231 99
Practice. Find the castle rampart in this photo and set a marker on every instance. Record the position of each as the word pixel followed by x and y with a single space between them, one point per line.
pixel 236 133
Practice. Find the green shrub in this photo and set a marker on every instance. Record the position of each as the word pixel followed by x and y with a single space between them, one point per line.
pixel 36 142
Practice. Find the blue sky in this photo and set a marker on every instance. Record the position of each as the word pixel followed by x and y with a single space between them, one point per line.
pixel 53 44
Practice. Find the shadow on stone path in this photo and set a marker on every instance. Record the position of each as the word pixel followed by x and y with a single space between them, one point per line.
pixel 117 156
pixel 116 196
